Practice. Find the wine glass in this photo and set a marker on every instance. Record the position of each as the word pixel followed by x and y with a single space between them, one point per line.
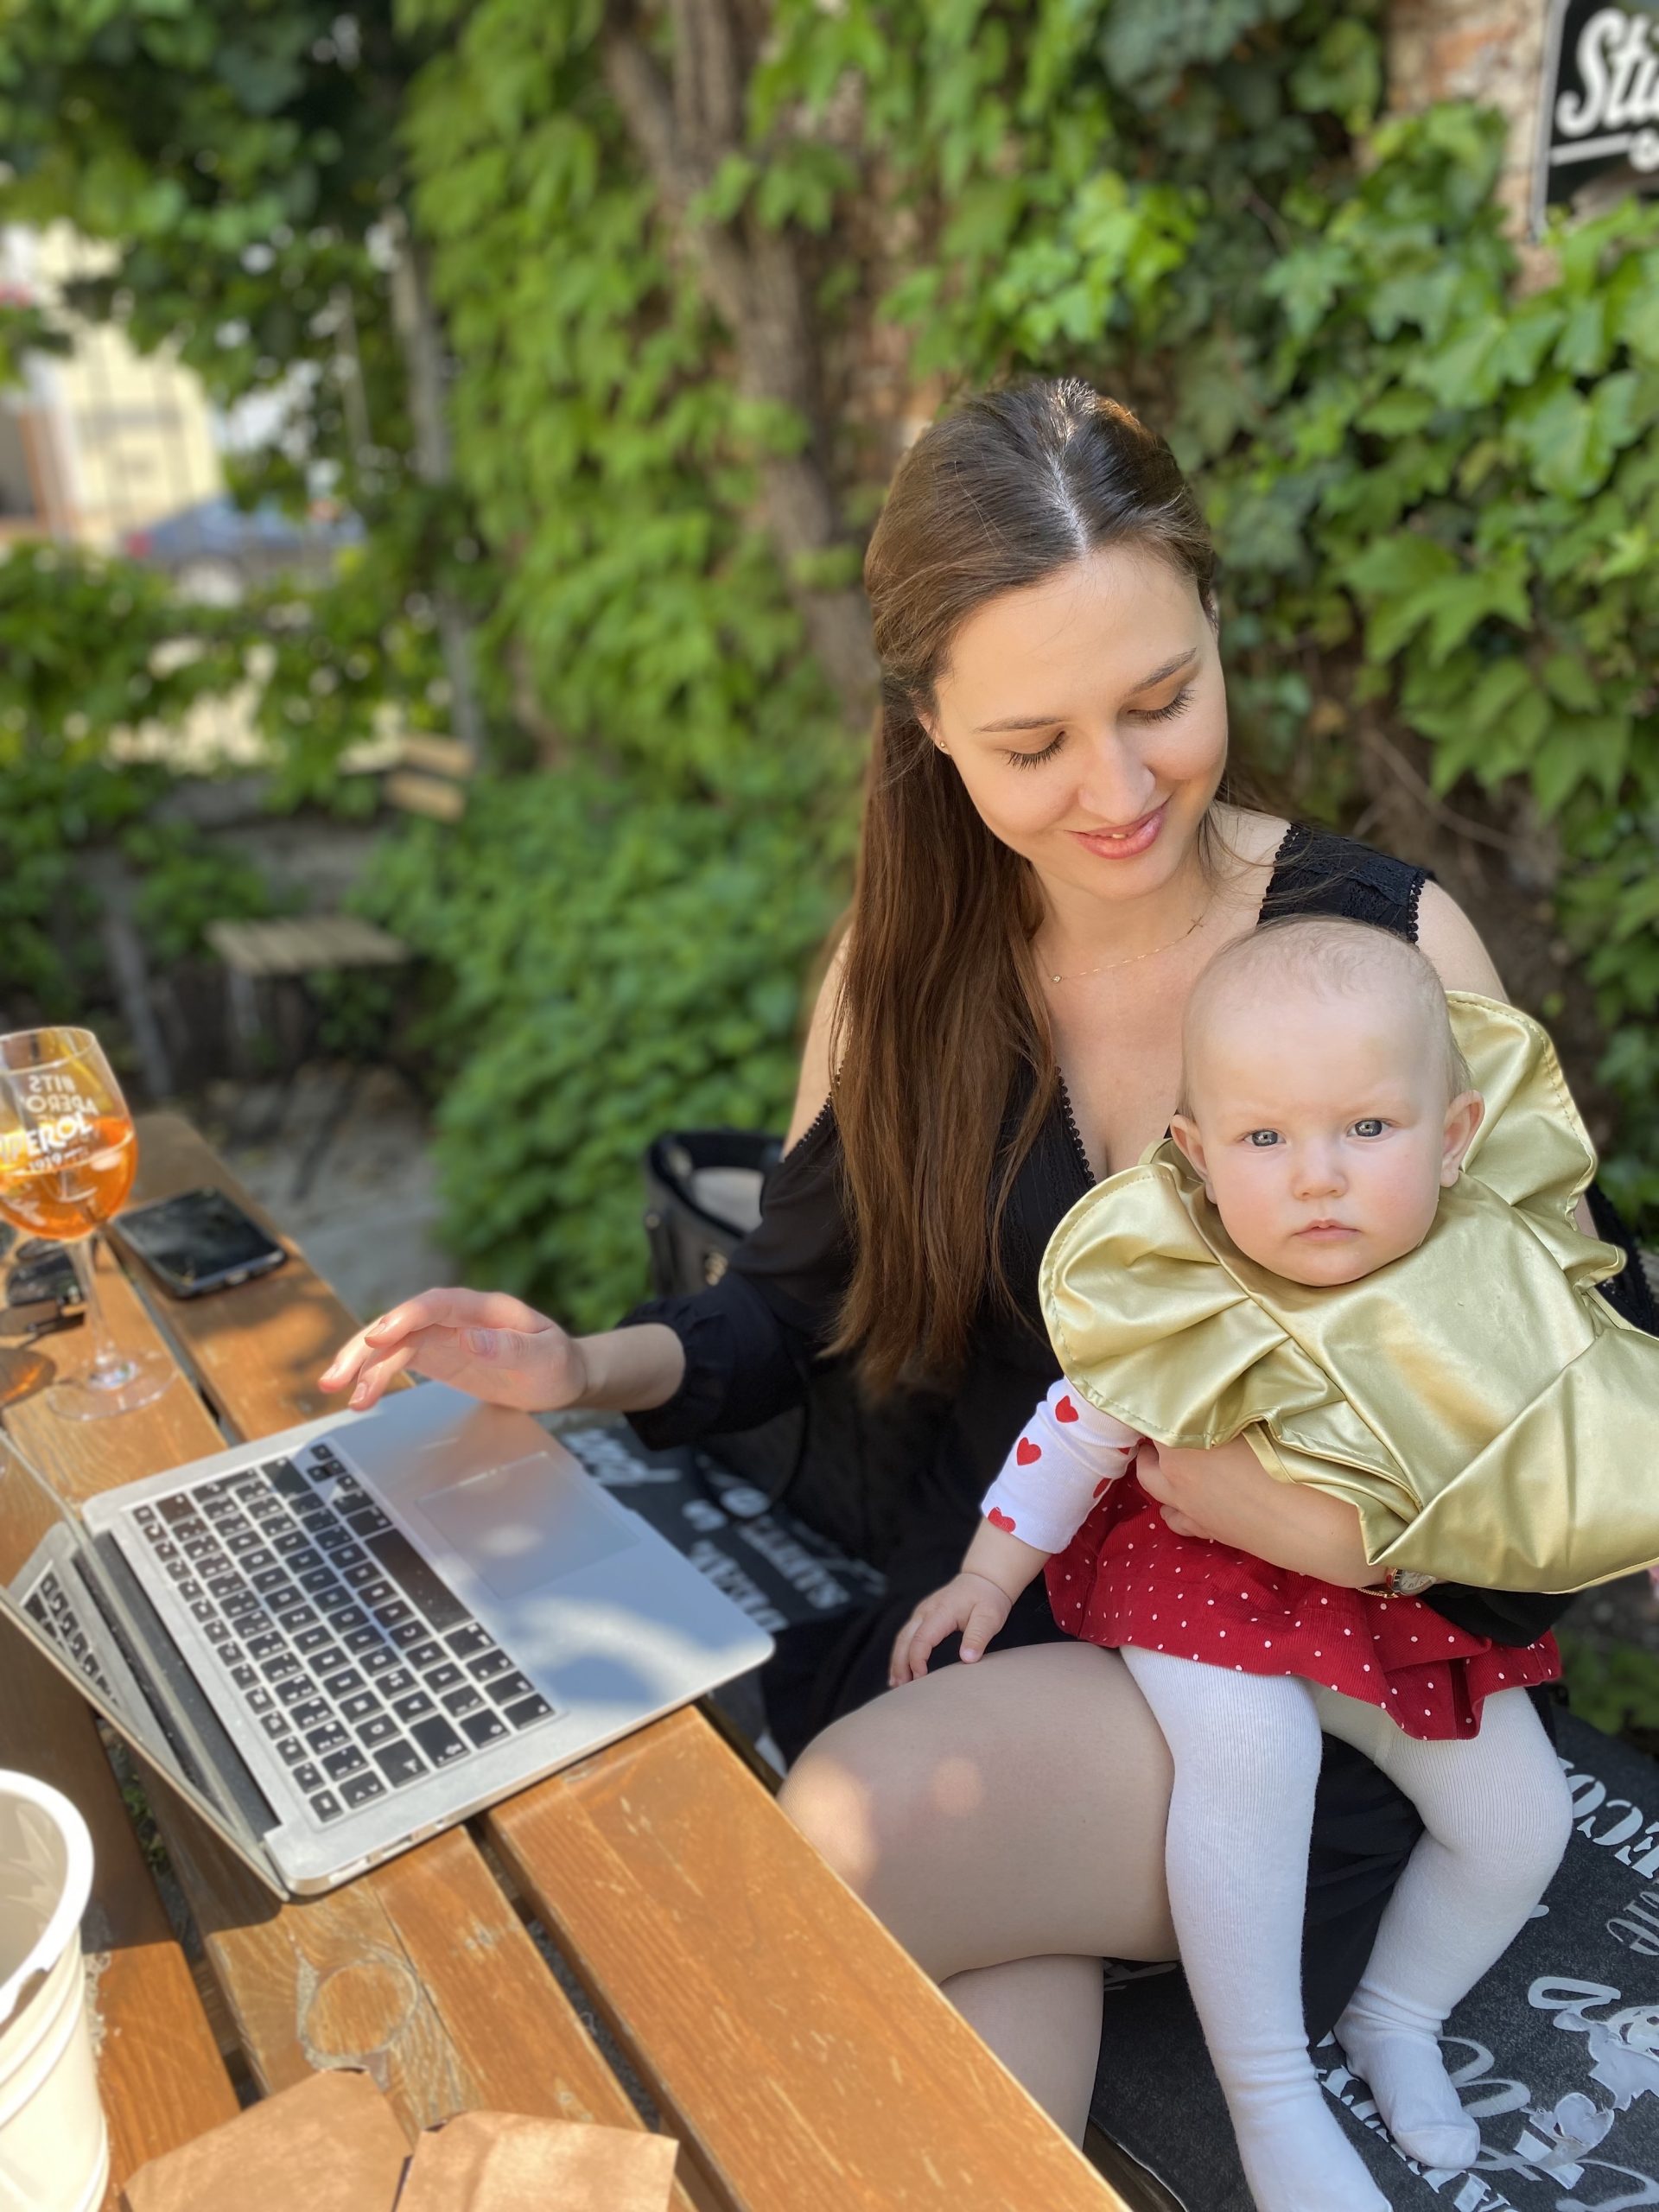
pixel 67 1155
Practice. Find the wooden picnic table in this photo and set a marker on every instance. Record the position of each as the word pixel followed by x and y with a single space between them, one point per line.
pixel 798 2055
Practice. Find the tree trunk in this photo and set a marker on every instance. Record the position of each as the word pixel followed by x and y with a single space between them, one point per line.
pixel 417 324
pixel 754 279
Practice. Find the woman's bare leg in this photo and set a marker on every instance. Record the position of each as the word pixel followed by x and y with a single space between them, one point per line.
pixel 1042 2018
pixel 1006 1821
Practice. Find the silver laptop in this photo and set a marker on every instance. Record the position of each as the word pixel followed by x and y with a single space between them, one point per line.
pixel 342 1639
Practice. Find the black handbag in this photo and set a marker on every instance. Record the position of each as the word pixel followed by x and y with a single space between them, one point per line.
pixel 844 1464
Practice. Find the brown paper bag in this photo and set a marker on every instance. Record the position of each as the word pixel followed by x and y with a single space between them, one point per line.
pixel 331 2144
pixel 494 2162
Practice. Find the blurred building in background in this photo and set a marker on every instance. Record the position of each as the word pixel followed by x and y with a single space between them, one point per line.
pixel 101 441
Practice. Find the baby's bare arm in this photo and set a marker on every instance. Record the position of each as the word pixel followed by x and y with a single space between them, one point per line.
pixel 1006 1560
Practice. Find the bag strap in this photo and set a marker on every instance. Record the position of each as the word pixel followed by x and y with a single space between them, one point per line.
pixel 689 1245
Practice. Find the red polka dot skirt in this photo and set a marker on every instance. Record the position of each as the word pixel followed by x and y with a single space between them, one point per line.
pixel 1127 1577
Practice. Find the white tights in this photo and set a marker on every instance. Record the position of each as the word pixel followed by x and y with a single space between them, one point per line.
pixel 1246 1749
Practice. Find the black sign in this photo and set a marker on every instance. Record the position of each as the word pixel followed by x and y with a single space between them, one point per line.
pixel 766 1562
pixel 1598 132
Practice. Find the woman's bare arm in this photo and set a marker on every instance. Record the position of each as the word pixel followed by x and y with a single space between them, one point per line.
pixel 501 1350
pixel 1452 944
pixel 815 1072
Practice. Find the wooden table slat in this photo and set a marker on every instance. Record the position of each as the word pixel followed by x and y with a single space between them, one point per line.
pixel 792 2040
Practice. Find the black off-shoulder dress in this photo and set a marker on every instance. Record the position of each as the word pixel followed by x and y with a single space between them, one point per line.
pixel 750 1341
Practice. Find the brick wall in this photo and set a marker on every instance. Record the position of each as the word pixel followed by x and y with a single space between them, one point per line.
pixel 1491 51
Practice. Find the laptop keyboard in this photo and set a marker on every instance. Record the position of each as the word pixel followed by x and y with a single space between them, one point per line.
pixel 362 1668
pixel 51 1605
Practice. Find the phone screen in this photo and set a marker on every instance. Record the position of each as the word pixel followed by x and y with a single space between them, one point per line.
pixel 197 1239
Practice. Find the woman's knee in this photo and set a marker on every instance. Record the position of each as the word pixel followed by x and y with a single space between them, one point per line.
pixel 831 1803
pixel 867 1792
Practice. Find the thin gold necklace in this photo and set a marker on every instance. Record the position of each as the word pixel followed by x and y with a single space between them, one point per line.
pixel 1077 975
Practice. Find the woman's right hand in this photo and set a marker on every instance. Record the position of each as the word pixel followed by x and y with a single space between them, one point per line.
pixel 481 1341
pixel 1227 1496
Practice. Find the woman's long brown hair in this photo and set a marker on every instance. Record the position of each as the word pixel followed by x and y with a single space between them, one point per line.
pixel 939 1006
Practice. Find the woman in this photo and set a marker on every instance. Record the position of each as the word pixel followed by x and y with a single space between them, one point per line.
pixel 1050 854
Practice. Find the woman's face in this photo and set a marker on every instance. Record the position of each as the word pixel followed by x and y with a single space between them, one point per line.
pixel 1087 718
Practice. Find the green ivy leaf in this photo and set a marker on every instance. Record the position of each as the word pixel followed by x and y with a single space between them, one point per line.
pixel 1630 553
pixel 1458 606
pixel 1307 282
pixel 1565 442
pixel 1342 75
pixel 1636 306
pixel 1465 370
pixel 732 183
pixel 1406 562
pixel 1532 330
pixel 1582 748
pixel 1585 344
pixel 1570 682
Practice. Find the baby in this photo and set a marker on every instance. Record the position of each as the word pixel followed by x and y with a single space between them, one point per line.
pixel 1326 1111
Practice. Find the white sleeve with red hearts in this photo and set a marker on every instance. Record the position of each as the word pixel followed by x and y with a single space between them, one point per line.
pixel 1062 1461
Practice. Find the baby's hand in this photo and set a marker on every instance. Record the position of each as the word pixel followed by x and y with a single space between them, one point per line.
pixel 972 1603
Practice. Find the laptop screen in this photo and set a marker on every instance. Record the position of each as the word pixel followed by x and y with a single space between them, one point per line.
pixel 39 1544
pixel 76 1605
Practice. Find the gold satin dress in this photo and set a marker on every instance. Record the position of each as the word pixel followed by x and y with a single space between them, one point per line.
pixel 1492 1419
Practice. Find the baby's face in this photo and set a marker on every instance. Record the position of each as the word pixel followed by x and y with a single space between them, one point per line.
pixel 1322 1131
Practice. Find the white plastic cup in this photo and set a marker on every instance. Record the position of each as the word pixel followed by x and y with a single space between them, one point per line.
pixel 54 2147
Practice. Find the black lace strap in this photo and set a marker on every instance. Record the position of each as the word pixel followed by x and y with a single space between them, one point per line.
pixel 1319 872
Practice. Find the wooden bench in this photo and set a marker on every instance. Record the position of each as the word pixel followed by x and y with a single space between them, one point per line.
pixel 802 2061
pixel 303 946
pixel 292 950
pixel 258 956
pixel 430 779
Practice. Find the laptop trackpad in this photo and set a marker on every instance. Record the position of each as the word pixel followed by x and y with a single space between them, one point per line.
pixel 522 1526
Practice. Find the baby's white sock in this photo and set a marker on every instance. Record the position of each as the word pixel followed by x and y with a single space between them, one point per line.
pixel 1247 1749
pixel 1497 1814
pixel 1394 2048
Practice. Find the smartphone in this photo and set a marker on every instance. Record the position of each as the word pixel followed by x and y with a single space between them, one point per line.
pixel 44 1274
pixel 198 1242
